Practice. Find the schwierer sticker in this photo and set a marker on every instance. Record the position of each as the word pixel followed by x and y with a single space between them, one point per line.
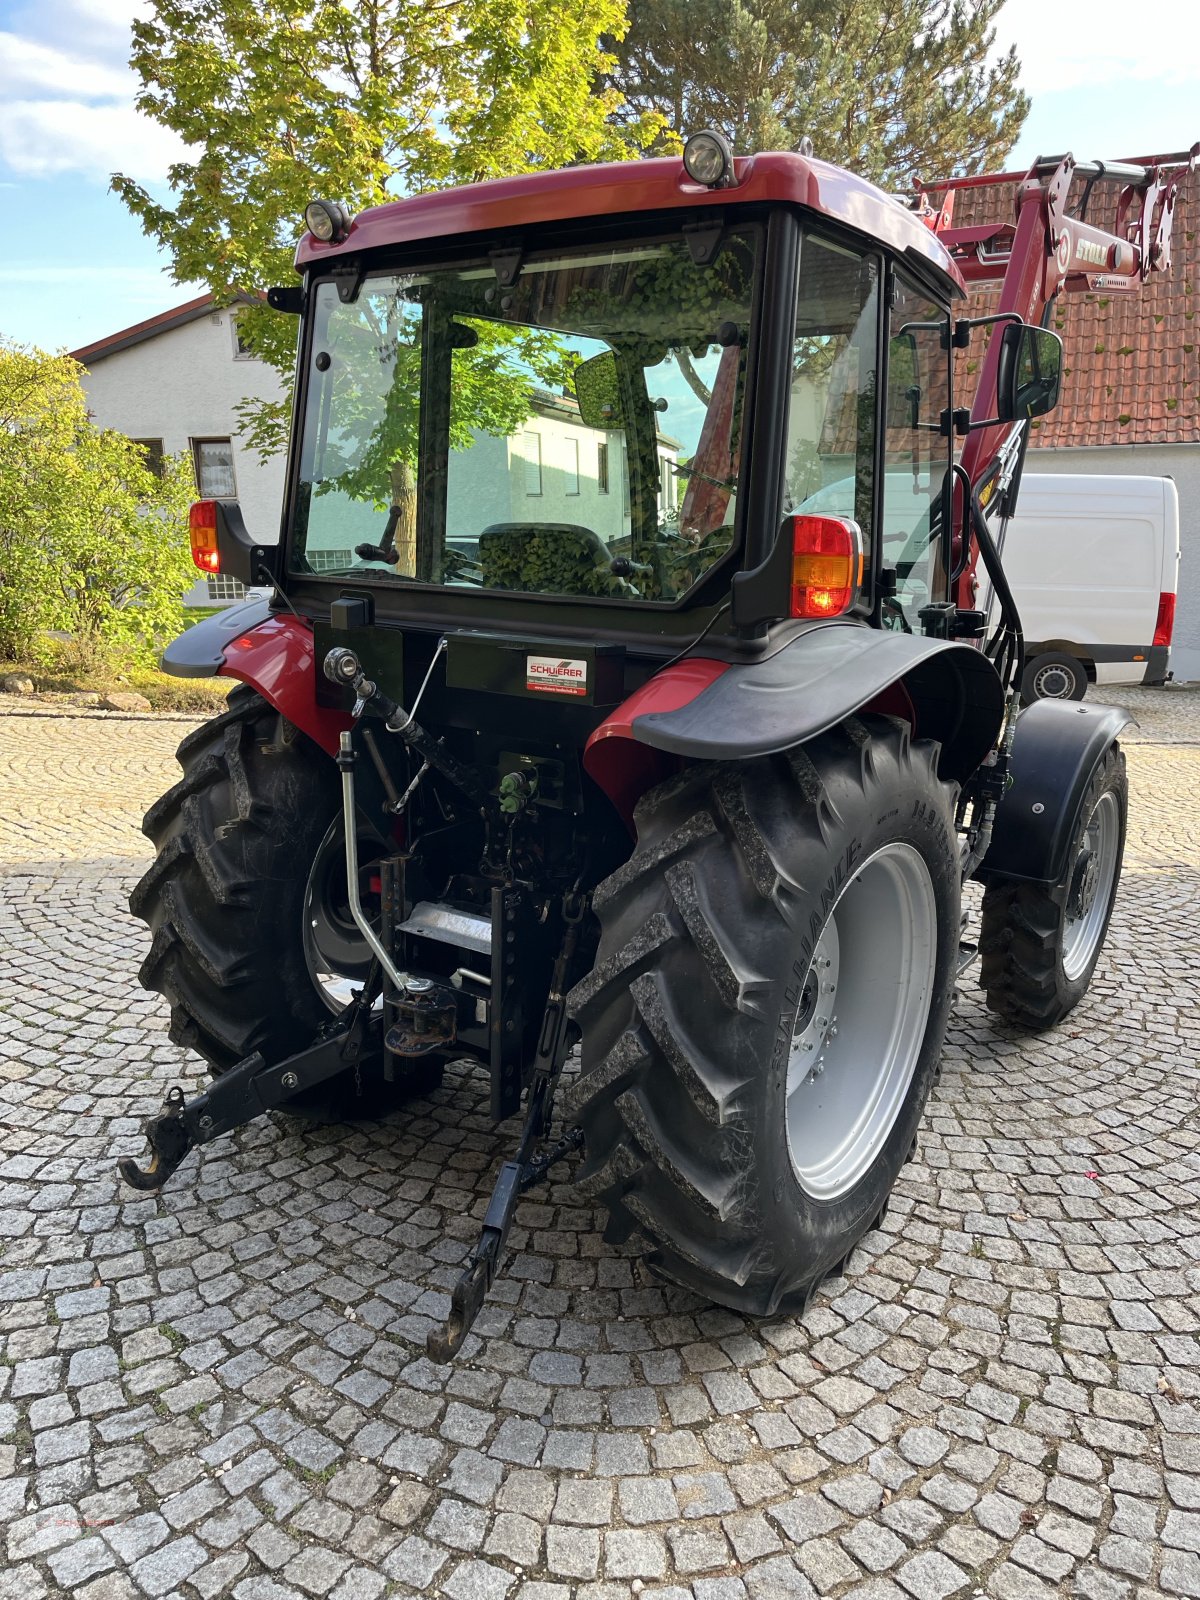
pixel 553 675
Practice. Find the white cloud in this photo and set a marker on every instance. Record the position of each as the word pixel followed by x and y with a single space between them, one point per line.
pixel 134 281
pixel 1071 45
pixel 71 110
pixel 28 67
pixel 39 138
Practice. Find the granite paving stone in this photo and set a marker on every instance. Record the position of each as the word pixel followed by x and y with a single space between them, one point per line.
pixel 223 1390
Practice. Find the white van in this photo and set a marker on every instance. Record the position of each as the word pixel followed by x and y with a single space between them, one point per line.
pixel 1093 563
pixel 1092 560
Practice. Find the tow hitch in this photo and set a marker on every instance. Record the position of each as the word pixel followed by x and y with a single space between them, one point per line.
pixel 525 1169
pixel 252 1087
pixel 517 1175
pixel 422 1013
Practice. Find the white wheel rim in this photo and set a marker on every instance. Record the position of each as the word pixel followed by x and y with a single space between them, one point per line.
pixel 860 1021
pixel 335 952
pixel 1091 885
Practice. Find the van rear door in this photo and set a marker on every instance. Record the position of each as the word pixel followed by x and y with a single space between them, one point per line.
pixel 1088 558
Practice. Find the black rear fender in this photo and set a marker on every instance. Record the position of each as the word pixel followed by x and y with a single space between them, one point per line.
pixel 705 710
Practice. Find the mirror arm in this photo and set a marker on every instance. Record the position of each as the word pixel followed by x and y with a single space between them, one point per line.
pixel 964 326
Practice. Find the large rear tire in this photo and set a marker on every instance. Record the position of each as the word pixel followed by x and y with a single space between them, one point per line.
pixel 1039 946
pixel 242 842
pixel 766 1014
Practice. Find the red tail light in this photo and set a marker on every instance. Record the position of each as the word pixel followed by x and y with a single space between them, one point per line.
pixel 1165 625
pixel 202 528
pixel 827 565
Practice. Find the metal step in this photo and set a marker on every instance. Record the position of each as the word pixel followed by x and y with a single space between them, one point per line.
pixel 466 930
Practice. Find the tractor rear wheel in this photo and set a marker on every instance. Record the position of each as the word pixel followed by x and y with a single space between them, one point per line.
pixel 766 1014
pixel 1039 946
pixel 253 944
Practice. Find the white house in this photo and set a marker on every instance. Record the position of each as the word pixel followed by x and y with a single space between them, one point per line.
pixel 173 383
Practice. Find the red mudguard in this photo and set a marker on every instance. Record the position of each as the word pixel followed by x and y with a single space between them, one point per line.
pixel 616 760
pixel 279 660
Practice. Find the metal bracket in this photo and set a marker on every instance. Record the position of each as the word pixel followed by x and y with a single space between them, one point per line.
pixel 250 1088
pixel 525 1169
pixel 466 1300
pixel 506 264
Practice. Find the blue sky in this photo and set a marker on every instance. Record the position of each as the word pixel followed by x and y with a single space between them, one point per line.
pixel 76 265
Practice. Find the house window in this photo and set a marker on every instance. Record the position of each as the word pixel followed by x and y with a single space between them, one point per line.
pixel 572 466
pixel 241 350
pixel 222 587
pixel 214 468
pixel 152 451
pixel 602 468
pixel 330 560
pixel 533 462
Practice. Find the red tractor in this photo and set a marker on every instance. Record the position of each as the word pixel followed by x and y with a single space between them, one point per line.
pixel 622 685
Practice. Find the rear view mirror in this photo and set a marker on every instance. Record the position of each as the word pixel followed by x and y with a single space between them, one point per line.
pixel 597 391
pixel 1029 375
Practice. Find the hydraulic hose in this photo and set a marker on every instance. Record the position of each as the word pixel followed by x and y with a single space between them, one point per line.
pixel 1010 616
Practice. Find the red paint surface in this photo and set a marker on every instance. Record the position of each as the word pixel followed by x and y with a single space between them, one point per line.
pixel 278 659
pixel 622 187
pixel 618 762
pixel 894 701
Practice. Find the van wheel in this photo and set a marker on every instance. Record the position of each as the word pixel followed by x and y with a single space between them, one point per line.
pixel 1053 675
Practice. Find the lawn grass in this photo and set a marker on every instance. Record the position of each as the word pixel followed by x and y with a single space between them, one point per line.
pixel 205 695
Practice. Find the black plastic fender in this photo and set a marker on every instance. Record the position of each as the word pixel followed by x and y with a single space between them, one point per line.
pixel 1057 748
pixel 825 674
pixel 200 652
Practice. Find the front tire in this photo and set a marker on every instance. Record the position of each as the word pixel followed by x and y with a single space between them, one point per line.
pixel 1039 945
pixel 749 1130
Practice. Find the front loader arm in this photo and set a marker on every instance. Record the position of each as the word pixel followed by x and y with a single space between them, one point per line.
pixel 1044 251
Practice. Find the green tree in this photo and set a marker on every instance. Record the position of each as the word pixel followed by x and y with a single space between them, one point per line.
pixel 371 451
pixel 891 89
pixel 92 541
pixel 283 100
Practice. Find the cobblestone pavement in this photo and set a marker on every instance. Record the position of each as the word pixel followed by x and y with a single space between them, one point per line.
pixel 223 1390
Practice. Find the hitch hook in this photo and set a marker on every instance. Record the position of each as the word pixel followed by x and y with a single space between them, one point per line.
pixel 169 1142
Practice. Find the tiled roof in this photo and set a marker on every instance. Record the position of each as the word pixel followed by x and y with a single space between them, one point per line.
pixel 190 311
pixel 1132 359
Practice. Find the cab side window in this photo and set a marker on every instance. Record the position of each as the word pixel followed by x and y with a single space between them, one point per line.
pixel 830 463
pixel 917 454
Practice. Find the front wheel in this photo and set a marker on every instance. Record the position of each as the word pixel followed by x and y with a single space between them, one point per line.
pixel 1040 944
pixel 767 1010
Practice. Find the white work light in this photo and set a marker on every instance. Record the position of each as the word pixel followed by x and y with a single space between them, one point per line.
pixel 327 220
pixel 708 159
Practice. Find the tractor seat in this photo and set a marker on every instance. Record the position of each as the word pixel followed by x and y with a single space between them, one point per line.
pixel 540 557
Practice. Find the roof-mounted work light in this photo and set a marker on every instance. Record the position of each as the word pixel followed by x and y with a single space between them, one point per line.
pixel 327 220
pixel 708 159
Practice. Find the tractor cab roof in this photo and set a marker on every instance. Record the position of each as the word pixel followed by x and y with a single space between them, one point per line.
pixel 505 205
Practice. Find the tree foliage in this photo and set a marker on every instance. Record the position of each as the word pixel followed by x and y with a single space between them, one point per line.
pixel 93 543
pixel 284 100
pixel 887 88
